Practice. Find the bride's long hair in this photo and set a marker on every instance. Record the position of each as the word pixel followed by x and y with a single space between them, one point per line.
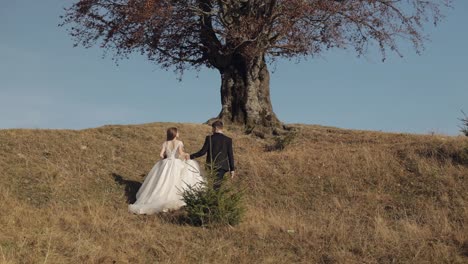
pixel 171 133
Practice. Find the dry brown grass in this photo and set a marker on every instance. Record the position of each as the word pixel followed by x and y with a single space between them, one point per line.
pixel 331 196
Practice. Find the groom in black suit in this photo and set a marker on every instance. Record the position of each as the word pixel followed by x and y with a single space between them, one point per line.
pixel 218 148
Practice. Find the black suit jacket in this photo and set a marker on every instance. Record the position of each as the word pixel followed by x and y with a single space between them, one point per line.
pixel 221 151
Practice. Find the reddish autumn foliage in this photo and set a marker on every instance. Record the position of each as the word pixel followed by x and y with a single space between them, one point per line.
pixel 208 32
pixel 238 37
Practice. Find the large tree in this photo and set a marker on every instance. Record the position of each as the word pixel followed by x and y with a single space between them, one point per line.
pixel 240 37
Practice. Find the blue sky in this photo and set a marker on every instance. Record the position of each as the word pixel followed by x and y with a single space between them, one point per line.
pixel 46 83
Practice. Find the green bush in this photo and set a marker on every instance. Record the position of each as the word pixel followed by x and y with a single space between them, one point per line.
pixel 464 126
pixel 206 206
pixel 282 141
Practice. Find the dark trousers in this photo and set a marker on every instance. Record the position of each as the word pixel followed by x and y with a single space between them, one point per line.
pixel 219 178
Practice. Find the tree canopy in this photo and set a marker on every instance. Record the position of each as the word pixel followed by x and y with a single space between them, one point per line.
pixel 192 33
pixel 238 37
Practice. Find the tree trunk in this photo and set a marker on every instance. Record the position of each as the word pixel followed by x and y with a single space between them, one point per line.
pixel 245 94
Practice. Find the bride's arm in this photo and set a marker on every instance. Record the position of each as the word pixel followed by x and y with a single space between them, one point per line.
pixel 163 150
pixel 182 153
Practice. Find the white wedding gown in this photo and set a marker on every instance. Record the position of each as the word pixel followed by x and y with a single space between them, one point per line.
pixel 163 186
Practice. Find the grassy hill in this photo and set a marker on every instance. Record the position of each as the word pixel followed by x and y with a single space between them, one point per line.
pixel 331 196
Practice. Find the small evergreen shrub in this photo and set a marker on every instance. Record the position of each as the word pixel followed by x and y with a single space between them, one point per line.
pixel 464 126
pixel 206 206
pixel 282 141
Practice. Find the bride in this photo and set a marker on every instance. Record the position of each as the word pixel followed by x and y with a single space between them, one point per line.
pixel 162 187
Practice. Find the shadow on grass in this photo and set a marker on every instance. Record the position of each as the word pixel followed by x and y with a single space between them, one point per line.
pixel 177 217
pixel 131 187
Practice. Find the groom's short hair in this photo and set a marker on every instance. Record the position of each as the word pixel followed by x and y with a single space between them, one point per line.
pixel 218 124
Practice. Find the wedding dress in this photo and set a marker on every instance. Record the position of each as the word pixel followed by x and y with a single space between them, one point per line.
pixel 163 186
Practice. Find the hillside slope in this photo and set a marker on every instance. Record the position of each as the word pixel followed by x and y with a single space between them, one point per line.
pixel 331 196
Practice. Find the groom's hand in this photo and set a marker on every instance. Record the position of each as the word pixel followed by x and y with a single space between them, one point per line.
pixel 233 174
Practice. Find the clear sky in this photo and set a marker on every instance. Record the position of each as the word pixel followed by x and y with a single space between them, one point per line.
pixel 46 83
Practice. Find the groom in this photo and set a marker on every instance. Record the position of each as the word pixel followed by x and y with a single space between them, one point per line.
pixel 218 148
